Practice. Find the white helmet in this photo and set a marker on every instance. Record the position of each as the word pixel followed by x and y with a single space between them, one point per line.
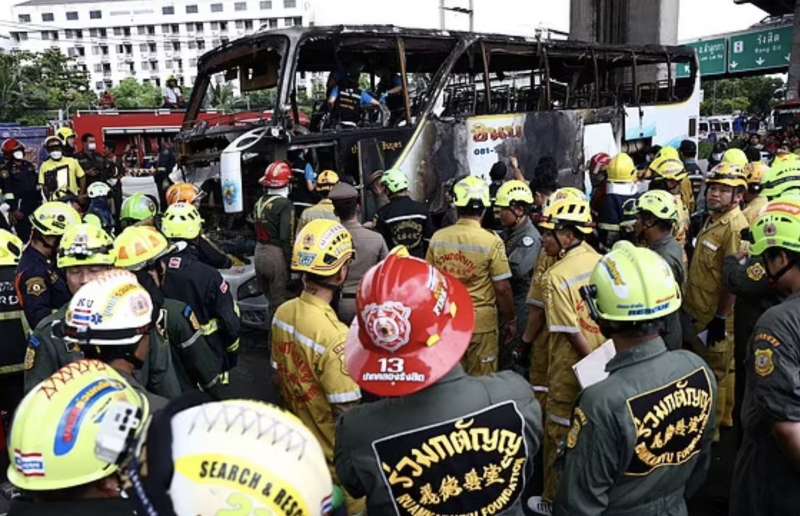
pixel 111 310
pixel 98 189
pixel 262 450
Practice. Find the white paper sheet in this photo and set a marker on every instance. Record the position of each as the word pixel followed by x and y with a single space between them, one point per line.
pixel 592 368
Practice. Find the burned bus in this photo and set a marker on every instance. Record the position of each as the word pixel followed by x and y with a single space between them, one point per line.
pixel 439 105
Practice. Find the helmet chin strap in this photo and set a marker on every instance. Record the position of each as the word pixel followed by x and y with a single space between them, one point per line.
pixel 562 250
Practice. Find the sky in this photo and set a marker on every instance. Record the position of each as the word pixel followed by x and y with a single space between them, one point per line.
pixel 697 18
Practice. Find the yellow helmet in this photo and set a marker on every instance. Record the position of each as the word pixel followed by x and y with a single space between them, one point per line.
pixel 567 206
pixel 632 284
pixel 783 176
pixel 727 174
pixel 85 244
pixel 53 218
pixel 667 152
pixel 56 426
pixel 139 246
pixel 65 132
pixel 671 169
pixel 660 203
pixel 10 248
pixel 322 247
pixel 473 192
pixel 326 180
pixel 621 169
pixel 182 221
pixel 93 219
pixel 513 191
pixel 755 172
pixel 735 157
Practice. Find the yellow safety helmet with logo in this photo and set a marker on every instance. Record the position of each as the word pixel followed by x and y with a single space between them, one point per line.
pixel 667 152
pixel 660 203
pixel 85 244
pixel 64 133
pixel 511 192
pixel 53 218
pixel 735 157
pixel 783 176
pixel 140 246
pixel 631 284
pixel 727 174
pixel 567 206
pixel 395 180
pixel 182 221
pixel 671 169
pixel 322 248
pixel 621 169
pixel 55 430
pixel 778 225
pixel 326 180
pixel 10 248
pixel 472 192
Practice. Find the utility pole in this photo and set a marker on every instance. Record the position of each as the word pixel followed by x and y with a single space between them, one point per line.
pixel 793 81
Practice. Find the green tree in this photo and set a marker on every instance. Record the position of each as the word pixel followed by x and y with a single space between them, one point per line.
pixel 131 94
pixel 748 94
pixel 221 97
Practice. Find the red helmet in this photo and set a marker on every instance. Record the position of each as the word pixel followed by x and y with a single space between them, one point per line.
pixel 277 175
pixel 413 325
pixel 598 162
pixel 11 145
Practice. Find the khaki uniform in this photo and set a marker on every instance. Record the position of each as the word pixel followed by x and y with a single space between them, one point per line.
pixel 687 195
pixel 684 221
pixel 565 313
pixel 477 258
pixel 538 375
pixel 322 210
pixel 718 239
pixel 753 208
pixel 370 249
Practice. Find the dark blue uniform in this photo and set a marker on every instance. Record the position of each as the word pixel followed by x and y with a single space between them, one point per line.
pixel 12 350
pixel 40 287
pixel 19 178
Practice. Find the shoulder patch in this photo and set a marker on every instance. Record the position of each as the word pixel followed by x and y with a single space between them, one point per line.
pixel 190 316
pixel 223 287
pixel 174 262
pixel 763 362
pixel 527 241
pixel 756 272
pixel 578 421
pixel 35 286
pixel 766 337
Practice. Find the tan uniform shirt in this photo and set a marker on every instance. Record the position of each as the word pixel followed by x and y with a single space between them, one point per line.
pixel 322 210
pixel 538 374
pixel 308 354
pixel 478 259
pixel 755 206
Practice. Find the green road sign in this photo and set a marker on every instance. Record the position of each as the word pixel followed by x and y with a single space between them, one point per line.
pixel 760 50
pixel 712 56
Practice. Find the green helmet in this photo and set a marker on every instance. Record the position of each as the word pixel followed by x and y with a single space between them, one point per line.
pixel 473 192
pixel 777 226
pixel 182 221
pixel 395 180
pixel 85 244
pixel 137 208
pixel 783 175
pixel 661 204
pixel 632 284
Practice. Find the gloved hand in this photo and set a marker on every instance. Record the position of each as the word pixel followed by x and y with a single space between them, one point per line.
pixel 520 357
pixel 716 331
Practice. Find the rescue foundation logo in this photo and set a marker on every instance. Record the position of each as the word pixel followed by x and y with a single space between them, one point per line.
pixel 78 409
pixel 388 324
pixel 670 422
pixel 471 465
pixel 29 464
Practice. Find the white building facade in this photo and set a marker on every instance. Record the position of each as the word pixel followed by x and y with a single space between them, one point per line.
pixel 150 41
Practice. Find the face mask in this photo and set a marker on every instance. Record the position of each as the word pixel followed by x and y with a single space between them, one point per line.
pixel 717 156
pixel 56 155
pixel 19 154
pixel 91 146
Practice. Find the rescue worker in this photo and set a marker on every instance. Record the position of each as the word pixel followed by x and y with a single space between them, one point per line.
pixel 39 286
pixel 14 328
pixel 477 258
pixel 86 253
pixel 183 192
pixel 98 193
pixel 613 466
pixel 708 305
pixel 668 175
pixel 18 179
pixel 324 208
pixel 523 242
pixel 67 137
pixel 656 215
pixel 403 221
pixel 735 157
pixel 369 247
pixel 696 177
pixel 597 169
pixel 767 468
pixel 202 287
pixel 572 334
pixel 308 339
pixel 182 222
pixel 96 166
pixel 138 209
pixel 413 326
pixel 497 176
pixel 59 171
pixel 289 465
pixel 668 154
pixel 273 216
pixel 140 249
pixel 59 472
pixel 627 226
pixel 620 186
pixel 754 174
